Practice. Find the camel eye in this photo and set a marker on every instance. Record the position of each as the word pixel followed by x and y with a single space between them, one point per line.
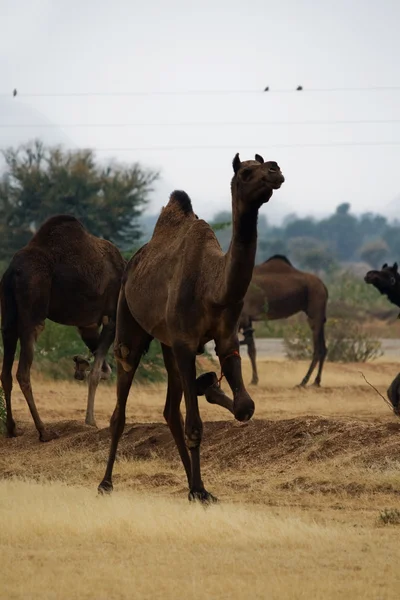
pixel 392 281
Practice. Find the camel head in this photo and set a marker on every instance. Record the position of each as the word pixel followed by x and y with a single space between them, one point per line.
pixel 255 180
pixel 386 281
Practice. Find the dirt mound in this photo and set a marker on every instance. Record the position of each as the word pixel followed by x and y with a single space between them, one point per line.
pixel 264 442
pixel 228 444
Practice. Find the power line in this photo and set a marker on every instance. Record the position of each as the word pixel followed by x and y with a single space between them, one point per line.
pixel 233 147
pixel 304 90
pixel 199 124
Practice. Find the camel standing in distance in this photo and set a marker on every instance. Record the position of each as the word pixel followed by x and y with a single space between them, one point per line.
pixel 387 282
pixel 278 291
pixel 181 289
pixel 69 276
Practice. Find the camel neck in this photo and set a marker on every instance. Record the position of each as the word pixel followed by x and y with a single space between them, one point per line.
pixel 240 258
pixel 394 296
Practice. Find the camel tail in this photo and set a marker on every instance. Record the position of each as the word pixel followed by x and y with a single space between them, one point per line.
pixel 9 310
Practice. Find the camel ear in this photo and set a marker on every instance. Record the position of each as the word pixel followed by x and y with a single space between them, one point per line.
pixel 395 267
pixel 236 163
pixel 384 266
pixel 259 158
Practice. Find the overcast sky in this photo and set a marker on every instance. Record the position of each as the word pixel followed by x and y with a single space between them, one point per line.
pixel 71 46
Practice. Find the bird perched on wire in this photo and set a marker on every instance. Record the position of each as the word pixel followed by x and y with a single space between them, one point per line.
pixel 299 88
pixel 15 92
pixel 267 89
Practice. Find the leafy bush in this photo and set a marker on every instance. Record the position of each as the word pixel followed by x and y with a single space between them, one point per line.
pixel 344 338
pixel 348 292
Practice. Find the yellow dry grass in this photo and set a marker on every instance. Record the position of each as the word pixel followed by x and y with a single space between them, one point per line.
pixel 301 487
pixel 344 394
pixel 63 542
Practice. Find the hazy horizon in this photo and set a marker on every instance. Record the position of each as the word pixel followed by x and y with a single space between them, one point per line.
pixel 185 84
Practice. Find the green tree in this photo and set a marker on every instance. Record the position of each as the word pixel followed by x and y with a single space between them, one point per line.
pixel 40 181
pixel 311 255
pixel 341 231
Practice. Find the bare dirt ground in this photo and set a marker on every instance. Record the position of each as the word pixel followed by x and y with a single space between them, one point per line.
pixel 302 489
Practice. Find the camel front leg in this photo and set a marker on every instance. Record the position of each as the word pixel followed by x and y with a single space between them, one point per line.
pixel 231 367
pixel 106 338
pixel 186 362
pixel 207 385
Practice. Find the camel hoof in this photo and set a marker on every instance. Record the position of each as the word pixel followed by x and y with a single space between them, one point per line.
pixel 203 382
pixel 105 487
pixel 244 412
pixel 48 435
pixel 11 430
pixel 202 496
pixel 316 384
pixel 91 423
pixel 254 382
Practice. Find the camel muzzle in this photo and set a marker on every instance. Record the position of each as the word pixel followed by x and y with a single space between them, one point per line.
pixel 369 278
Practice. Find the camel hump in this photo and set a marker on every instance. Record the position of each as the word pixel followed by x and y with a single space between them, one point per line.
pixel 53 223
pixel 59 220
pixel 181 199
pixel 281 257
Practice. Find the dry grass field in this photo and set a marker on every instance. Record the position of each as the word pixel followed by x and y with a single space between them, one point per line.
pixel 302 489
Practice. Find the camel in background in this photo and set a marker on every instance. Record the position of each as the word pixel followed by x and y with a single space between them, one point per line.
pixel 181 289
pixel 69 276
pixel 387 282
pixel 278 291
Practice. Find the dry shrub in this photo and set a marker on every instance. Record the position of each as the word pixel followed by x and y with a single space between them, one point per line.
pixel 346 342
pixel 390 516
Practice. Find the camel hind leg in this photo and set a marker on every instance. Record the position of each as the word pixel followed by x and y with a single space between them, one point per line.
pixel 10 339
pixel 248 333
pixel 186 361
pixel 319 352
pixel 322 354
pixel 28 337
pixel 130 344
pixel 172 413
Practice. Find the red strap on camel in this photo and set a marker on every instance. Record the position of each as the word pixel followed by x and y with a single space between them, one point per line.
pixel 234 353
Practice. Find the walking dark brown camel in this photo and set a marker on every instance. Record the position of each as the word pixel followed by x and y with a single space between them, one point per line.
pixel 182 290
pixel 69 276
pixel 387 282
pixel 278 291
